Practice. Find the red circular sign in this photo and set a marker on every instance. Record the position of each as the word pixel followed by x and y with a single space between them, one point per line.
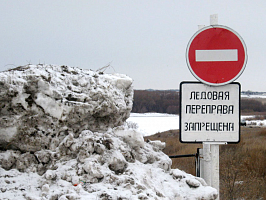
pixel 216 55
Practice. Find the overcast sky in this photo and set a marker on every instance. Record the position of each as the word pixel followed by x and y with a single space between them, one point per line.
pixel 144 39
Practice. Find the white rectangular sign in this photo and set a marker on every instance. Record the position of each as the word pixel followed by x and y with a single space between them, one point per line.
pixel 209 113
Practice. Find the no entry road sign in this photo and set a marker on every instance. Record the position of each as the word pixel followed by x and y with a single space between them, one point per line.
pixel 216 55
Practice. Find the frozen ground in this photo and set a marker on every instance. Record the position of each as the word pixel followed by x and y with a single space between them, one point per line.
pixel 152 123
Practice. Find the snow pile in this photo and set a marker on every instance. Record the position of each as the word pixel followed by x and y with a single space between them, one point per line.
pixel 42 104
pixel 81 160
pixel 98 166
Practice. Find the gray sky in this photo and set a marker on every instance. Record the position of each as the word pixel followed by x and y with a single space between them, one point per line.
pixel 145 39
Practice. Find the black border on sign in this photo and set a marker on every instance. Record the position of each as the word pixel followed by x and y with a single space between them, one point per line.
pixel 180 111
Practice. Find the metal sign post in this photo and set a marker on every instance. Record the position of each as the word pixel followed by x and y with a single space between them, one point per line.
pixel 210 164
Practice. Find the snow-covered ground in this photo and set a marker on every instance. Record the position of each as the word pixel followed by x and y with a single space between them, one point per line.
pixel 253 96
pixel 152 123
pixel 253 122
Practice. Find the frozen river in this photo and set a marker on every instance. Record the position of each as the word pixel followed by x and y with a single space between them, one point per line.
pixel 151 123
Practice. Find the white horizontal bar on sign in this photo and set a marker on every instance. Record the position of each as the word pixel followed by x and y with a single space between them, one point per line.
pixel 216 55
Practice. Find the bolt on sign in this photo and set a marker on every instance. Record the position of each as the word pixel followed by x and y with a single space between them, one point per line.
pixel 209 114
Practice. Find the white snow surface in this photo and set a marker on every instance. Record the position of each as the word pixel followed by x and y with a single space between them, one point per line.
pixel 152 123
pixel 253 96
pixel 110 163
pixel 251 121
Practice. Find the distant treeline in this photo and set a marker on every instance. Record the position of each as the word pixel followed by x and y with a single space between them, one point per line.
pixel 167 101
pixel 253 93
pixel 252 105
pixel 160 101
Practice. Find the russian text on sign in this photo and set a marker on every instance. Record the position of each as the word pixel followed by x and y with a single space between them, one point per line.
pixel 210 109
pixel 211 95
pixel 209 126
pixel 209 113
